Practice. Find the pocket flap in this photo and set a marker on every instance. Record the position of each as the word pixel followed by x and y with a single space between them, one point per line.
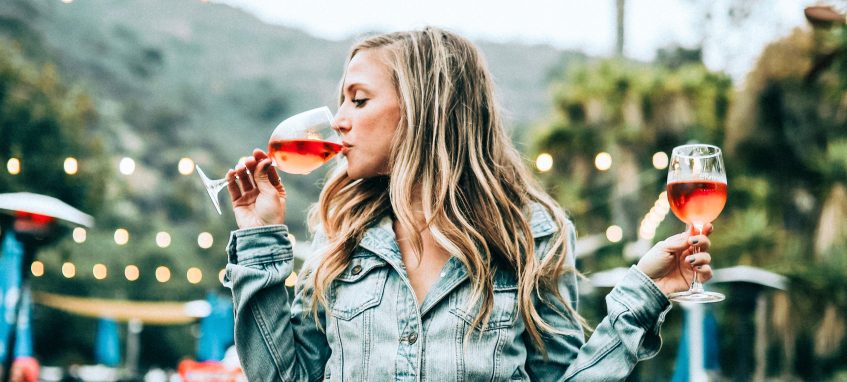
pixel 359 267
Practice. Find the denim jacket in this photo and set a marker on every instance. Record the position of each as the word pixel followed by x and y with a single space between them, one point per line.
pixel 375 330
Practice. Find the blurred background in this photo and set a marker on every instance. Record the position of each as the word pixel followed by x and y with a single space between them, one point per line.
pixel 112 253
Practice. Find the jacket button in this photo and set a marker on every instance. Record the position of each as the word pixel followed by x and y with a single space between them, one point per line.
pixel 413 338
pixel 356 270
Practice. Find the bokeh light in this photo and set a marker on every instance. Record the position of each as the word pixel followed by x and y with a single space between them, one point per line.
pixel 100 271
pixel 13 165
pixel 205 240
pixel 291 281
pixel 121 236
pixel 79 235
pixel 603 161
pixel 131 272
pixel 614 233
pixel 660 160
pixel 185 166
pixel 71 166
pixel 126 166
pixel 68 270
pixel 37 268
pixel 544 162
pixel 163 274
pixel 194 275
pixel 163 239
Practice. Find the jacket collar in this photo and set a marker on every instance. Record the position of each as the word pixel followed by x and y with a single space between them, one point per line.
pixel 382 242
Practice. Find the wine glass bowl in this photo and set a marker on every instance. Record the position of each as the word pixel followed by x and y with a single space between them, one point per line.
pixel 696 189
pixel 298 145
pixel 304 142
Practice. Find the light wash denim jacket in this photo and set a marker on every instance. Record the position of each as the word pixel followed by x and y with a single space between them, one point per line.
pixel 376 331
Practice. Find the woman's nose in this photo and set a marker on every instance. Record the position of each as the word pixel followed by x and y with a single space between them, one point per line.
pixel 342 122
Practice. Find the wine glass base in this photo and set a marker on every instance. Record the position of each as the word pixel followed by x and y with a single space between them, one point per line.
pixel 696 297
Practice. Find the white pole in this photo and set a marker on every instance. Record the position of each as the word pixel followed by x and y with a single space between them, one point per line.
pixel 133 345
pixel 696 372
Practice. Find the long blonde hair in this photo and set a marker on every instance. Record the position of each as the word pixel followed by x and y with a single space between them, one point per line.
pixel 450 150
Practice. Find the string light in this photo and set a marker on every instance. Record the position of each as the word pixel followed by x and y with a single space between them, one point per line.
pixel 71 166
pixel 126 166
pixel 79 235
pixel 67 1
pixel 37 268
pixel 121 236
pixel 614 233
pixel 68 270
pixel 194 275
pixel 163 239
pixel 544 162
pixel 651 221
pixel 205 240
pixel 660 160
pixel 185 166
pixel 603 161
pixel 131 272
pixel 163 274
pixel 13 165
pixel 100 271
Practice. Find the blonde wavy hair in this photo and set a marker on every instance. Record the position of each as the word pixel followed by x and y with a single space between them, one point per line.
pixel 450 150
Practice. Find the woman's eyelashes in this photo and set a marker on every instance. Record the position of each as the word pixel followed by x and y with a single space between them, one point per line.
pixel 359 102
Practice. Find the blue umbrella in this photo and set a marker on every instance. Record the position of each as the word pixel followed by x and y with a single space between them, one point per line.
pixel 11 260
pixel 216 329
pixel 107 350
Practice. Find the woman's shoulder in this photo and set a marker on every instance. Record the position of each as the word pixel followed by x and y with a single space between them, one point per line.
pixel 542 223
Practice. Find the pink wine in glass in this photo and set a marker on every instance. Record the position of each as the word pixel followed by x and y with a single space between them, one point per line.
pixel 301 156
pixel 697 202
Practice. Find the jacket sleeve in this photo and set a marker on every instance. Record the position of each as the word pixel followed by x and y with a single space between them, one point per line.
pixel 276 337
pixel 629 333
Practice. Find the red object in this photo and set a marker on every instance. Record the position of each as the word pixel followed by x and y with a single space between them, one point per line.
pixel 209 371
pixel 35 218
pixel 25 369
pixel 301 156
pixel 28 222
pixel 697 202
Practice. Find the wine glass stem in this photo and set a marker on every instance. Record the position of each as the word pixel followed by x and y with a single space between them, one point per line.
pixel 696 285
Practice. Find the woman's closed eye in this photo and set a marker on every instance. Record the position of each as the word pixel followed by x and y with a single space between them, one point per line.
pixel 359 101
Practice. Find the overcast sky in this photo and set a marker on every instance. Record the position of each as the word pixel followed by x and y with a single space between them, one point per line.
pixel 588 26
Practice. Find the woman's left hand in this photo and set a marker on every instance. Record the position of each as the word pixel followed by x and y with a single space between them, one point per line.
pixel 671 263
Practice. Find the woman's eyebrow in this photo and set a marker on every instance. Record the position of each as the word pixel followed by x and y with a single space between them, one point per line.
pixel 356 85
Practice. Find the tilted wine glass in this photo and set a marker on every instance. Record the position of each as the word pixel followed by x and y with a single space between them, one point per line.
pixel 696 190
pixel 298 145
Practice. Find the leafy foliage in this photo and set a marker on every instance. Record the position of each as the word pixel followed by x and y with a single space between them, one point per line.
pixel 783 135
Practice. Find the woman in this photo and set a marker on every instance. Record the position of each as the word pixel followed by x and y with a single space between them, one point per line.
pixel 437 256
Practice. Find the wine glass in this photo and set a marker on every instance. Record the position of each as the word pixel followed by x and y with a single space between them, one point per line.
pixel 298 145
pixel 697 194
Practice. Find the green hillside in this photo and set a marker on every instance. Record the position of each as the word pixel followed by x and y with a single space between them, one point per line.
pixel 188 78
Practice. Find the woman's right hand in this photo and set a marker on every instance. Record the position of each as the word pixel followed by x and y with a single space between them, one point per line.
pixel 258 196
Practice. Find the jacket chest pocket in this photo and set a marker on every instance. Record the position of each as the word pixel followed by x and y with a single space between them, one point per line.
pixel 503 310
pixel 359 288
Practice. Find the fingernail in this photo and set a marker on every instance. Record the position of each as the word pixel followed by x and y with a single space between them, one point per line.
pixel 690 259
